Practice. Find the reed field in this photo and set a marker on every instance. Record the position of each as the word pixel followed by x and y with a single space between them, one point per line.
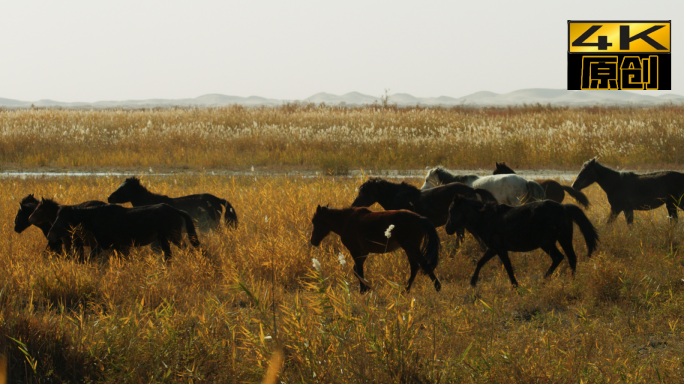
pixel 335 140
pixel 212 318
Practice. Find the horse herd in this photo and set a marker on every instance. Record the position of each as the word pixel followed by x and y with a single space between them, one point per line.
pixel 154 219
pixel 504 212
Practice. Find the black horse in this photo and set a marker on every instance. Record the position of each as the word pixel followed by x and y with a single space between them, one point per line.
pixel 538 224
pixel 119 228
pixel 46 212
pixel 26 208
pixel 628 191
pixel 431 203
pixel 200 207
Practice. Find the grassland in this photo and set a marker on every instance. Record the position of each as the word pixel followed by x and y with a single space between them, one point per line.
pixel 212 319
pixel 335 140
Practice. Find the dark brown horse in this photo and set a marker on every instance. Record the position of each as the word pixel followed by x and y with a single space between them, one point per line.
pixel 21 221
pixel 363 231
pixel 203 207
pixel 630 192
pixel 538 224
pixel 431 203
pixel 119 228
pixel 554 190
pixel 46 212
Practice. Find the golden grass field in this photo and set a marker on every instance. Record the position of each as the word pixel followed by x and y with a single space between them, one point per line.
pixel 336 140
pixel 211 319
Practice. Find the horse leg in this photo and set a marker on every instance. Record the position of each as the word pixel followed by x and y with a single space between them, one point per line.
pixel 489 253
pixel 629 216
pixel 503 255
pixel 435 281
pixel 566 244
pixel 165 246
pixel 556 256
pixel 414 271
pixel 77 246
pixel 358 269
pixel 671 209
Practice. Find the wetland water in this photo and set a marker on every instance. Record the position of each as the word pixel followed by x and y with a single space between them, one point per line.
pixel 565 176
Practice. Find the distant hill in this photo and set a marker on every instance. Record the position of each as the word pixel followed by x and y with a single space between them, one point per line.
pixel 558 97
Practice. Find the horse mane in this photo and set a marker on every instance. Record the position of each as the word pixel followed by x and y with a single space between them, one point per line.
pixel 403 188
pixel 136 183
pixel 443 175
pixel 29 200
pixel 50 203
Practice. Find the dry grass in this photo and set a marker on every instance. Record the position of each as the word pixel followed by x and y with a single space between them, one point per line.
pixel 335 140
pixel 211 319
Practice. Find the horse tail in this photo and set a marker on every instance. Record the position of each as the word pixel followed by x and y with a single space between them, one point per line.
pixel 588 230
pixel 535 192
pixel 190 228
pixel 577 195
pixel 230 216
pixel 430 248
pixel 485 195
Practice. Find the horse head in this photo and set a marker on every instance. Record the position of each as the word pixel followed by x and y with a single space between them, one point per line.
pixel 587 175
pixel 26 208
pixel 432 179
pixel 126 191
pixel 502 169
pixel 320 226
pixel 368 194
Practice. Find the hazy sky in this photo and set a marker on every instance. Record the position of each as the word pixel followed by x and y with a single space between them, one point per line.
pixel 96 50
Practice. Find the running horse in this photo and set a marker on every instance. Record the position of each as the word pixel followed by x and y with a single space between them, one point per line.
pixel 554 190
pixel 363 231
pixel 205 208
pixel 539 224
pixel 628 192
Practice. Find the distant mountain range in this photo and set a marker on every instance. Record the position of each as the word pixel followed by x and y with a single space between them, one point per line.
pixel 557 97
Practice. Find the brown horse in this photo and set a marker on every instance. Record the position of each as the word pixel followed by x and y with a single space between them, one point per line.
pixel 363 231
pixel 46 213
pixel 205 208
pixel 554 190
pixel 119 228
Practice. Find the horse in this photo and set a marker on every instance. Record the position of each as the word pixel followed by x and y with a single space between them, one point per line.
pixel 433 203
pixel 21 221
pixel 553 189
pixel 628 191
pixel 539 224
pixel 363 231
pixel 119 228
pixel 200 207
pixel 46 213
pixel 507 189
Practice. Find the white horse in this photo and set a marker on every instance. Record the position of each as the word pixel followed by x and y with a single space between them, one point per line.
pixel 508 189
